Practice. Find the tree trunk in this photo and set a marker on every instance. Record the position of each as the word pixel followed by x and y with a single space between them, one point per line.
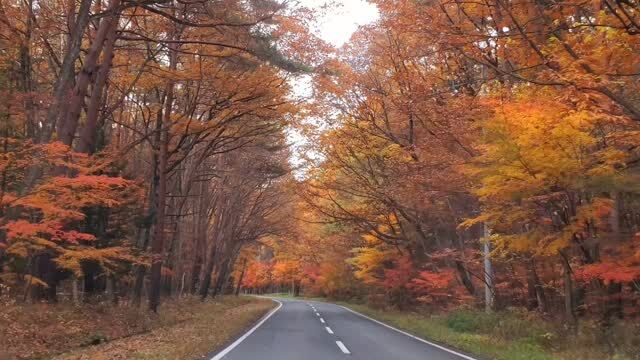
pixel 613 304
pixel 45 270
pixel 296 292
pixel 537 298
pixel 614 217
pixel 569 302
pixel 206 276
pixel 199 241
pixel 68 123
pixel 88 136
pixel 465 275
pixel 613 291
pixel 221 278
pixel 214 252
pixel 241 277
pixel 26 76
pixel 157 245
pixel 151 212
pixel 75 291
pixel 67 72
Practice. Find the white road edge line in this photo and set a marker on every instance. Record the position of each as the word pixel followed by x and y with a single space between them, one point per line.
pixel 228 349
pixel 410 335
pixel 322 320
pixel 329 330
pixel 342 347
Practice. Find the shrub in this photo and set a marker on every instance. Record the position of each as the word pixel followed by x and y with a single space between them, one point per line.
pixel 464 321
pixel 95 339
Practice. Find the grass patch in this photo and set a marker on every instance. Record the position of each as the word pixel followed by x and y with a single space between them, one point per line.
pixel 183 329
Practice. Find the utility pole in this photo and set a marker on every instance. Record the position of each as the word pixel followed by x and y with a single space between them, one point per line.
pixel 489 296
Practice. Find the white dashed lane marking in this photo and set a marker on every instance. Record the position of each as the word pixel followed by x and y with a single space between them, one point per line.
pixel 342 347
pixel 340 344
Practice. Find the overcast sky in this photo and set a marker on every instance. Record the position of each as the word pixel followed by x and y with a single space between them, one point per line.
pixel 336 20
pixel 335 25
pixel 338 23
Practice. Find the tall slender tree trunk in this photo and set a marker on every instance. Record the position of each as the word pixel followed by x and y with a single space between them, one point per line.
pixel 26 76
pixel 613 291
pixel 198 233
pixel 75 283
pixel 196 269
pixel 206 272
pixel 215 251
pixel 569 301
pixel 151 212
pixel 157 245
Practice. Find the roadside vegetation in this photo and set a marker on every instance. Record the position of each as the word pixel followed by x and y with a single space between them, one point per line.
pixel 137 163
pixel 471 166
pixel 143 145
pixel 482 165
pixel 512 335
pixel 185 329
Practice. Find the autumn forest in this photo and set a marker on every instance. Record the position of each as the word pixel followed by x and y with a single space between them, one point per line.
pixel 457 157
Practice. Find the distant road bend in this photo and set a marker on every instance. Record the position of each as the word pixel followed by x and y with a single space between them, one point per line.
pixel 311 330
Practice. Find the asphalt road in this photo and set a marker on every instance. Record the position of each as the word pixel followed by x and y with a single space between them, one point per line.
pixel 309 330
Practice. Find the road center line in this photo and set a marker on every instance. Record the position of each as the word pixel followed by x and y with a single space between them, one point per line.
pixel 329 330
pixel 318 314
pixel 342 347
pixel 322 320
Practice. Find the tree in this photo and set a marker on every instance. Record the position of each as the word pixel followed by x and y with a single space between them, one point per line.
pixel 137 107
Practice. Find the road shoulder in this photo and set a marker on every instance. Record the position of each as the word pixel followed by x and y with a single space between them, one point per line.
pixel 232 343
pixel 217 323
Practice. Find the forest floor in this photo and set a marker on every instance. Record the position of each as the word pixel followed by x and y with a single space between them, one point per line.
pixel 183 329
pixel 510 335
